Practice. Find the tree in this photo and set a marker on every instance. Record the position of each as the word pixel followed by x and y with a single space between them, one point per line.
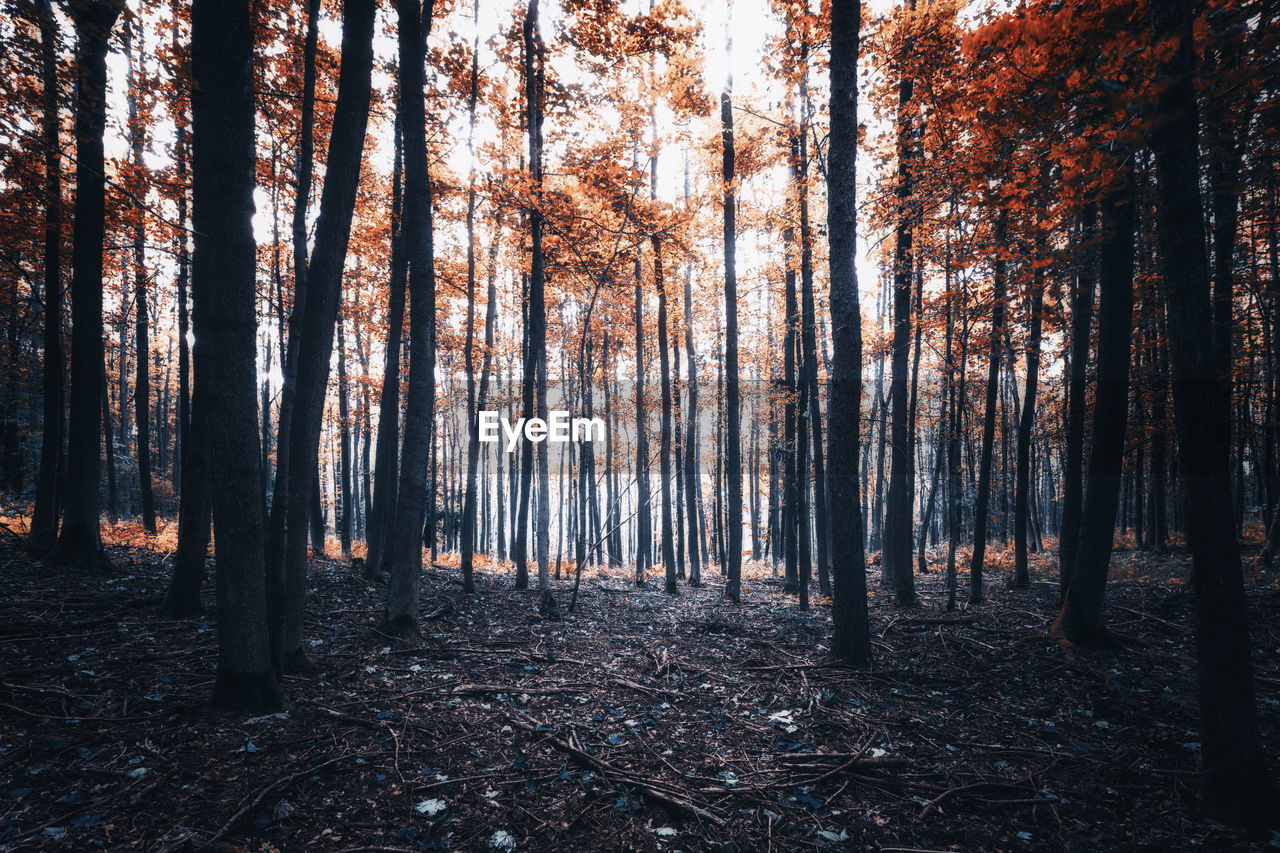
pixel 44 515
pixel 79 541
pixel 1081 618
pixel 900 522
pixel 733 415
pixel 401 616
pixel 1073 450
pixel 989 409
pixel 142 341
pixel 323 293
pixel 1236 777
pixel 851 639
pixel 223 271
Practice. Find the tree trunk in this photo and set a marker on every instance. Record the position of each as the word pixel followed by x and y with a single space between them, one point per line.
pixel 534 82
pixel 386 463
pixel 1081 618
pixel 345 480
pixel 1073 451
pixel 1237 779
pixel 989 416
pixel 732 440
pixel 79 541
pixel 901 500
pixel 1025 423
pixel 44 515
pixel 142 342
pixel 851 640
pixel 401 616
pixel 224 266
pixel 277 581
pixel 323 292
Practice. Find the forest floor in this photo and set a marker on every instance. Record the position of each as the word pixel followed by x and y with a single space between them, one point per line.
pixel 642 721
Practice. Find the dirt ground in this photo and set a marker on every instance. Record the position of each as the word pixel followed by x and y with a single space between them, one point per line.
pixel 641 721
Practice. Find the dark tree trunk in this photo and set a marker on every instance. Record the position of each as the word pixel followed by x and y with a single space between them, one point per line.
pixel 44 515
pixel 642 440
pixel 79 541
pixel 345 508
pixel 732 439
pixel 1081 618
pixel 401 616
pixel 791 487
pixel 182 601
pixel 482 396
pixel 1237 778
pixel 386 464
pixel 323 291
pixel 901 499
pixel 664 440
pixel 989 416
pixel 1027 420
pixel 851 641
pixel 1073 451
pixel 223 164
pixel 534 83
pixel 142 340
pixel 277 581
pixel 474 404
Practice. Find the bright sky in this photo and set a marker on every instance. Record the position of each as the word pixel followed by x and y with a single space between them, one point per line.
pixel 753 25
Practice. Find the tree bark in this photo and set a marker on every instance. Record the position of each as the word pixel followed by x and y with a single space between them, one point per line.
pixel 142 339
pixel 732 440
pixel 79 541
pixel 323 292
pixel 1073 451
pixel 401 615
pixel 386 463
pixel 1237 779
pixel 851 640
pixel 224 266
pixel 1081 618
pixel 1025 423
pixel 44 515
pixel 989 415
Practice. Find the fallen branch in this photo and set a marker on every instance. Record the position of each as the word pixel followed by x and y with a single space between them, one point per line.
pixel 605 769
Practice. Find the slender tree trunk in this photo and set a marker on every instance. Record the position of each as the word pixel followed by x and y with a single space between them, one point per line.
pixel 1081 618
pixel 401 615
pixel 1025 423
pixel 469 510
pixel 44 515
pixel 386 463
pixel 534 81
pixel 323 293
pixel 733 445
pixel 901 499
pixel 79 542
pixel 1073 451
pixel 277 580
pixel 142 343
pixel 791 475
pixel 345 479
pixel 989 416
pixel 474 404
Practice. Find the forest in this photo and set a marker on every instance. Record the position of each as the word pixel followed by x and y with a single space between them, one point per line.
pixel 699 425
